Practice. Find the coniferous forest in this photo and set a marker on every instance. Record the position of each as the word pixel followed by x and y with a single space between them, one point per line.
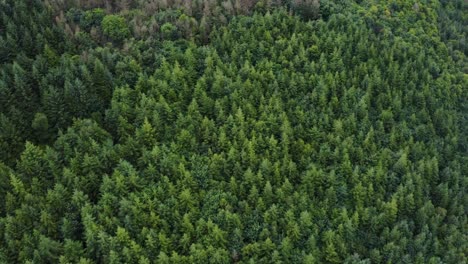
pixel 233 131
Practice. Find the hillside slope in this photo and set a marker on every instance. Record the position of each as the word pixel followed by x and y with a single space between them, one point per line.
pixel 299 132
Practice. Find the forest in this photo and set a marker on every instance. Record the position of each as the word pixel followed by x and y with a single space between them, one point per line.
pixel 233 131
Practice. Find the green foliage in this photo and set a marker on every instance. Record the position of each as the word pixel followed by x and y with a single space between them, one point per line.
pixel 169 31
pixel 41 126
pixel 115 27
pixel 208 136
pixel 308 9
pixel 88 19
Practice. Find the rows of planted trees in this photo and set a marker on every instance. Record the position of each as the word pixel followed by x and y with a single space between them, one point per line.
pixel 233 131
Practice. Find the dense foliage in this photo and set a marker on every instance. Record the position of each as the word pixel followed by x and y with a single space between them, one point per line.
pixel 233 131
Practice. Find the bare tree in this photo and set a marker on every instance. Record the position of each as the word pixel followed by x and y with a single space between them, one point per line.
pixel 228 7
pixel 207 8
pixel 188 7
pixel 123 5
